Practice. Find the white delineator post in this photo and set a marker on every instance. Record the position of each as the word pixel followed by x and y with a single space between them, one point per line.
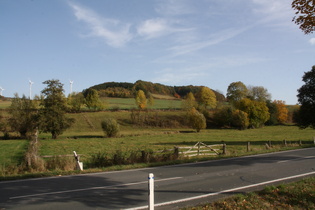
pixel 151 191
pixel 79 164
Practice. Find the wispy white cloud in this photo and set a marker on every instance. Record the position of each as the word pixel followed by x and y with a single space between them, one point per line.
pixel 275 12
pixel 312 41
pixel 157 27
pixel 113 32
pixel 197 70
pixel 214 39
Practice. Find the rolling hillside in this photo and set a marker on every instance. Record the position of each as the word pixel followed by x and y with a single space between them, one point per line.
pixel 127 90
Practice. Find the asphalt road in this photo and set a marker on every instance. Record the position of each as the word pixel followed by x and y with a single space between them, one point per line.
pixel 175 186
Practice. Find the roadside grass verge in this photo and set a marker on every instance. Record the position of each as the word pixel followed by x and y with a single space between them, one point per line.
pixel 12 152
pixel 297 195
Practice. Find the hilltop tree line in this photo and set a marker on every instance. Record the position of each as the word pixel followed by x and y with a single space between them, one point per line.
pixel 128 90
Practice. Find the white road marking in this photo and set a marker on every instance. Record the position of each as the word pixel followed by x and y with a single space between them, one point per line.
pixel 91 188
pixel 298 158
pixel 224 191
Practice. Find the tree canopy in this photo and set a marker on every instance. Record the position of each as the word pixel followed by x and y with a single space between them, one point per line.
pixel 24 117
pixel 258 93
pixel 306 97
pixel 92 100
pixel 236 92
pixel 206 97
pixel 141 100
pixel 305 15
pixel 257 111
pixel 53 114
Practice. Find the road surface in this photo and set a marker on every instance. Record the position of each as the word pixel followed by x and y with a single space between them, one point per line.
pixel 175 186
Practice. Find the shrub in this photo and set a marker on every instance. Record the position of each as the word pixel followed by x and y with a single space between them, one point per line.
pixel 223 117
pixel 110 127
pixel 197 120
pixel 240 119
pixel 60 163
pixel 100 160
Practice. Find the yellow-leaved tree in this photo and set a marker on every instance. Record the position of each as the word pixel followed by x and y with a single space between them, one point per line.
pixel 206 97
pixel 141 100
pixel 282 111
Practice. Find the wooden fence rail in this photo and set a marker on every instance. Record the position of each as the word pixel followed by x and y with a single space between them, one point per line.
pixel 203 149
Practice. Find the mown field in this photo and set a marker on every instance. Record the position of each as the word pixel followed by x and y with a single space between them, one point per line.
pixel 126 103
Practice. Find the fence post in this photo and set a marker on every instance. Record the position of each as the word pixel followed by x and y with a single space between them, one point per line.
pixel 269 143
pixel 248 146
pixel 224 149
pixel 151 191
pixel 176 152
pixel 198 148
pixel 285 142
pixel 300 143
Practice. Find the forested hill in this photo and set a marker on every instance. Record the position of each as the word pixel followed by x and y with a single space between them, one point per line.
pixel 127 90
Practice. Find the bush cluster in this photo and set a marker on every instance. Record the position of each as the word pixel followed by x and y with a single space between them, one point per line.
pixel 103 159
pixel 110 127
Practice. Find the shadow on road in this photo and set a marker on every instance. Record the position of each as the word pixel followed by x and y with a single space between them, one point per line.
pixel 82 191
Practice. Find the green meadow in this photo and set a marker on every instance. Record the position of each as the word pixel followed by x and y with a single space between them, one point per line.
pixel 87 138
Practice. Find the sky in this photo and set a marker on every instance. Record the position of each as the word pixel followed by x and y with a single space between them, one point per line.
pixel 173 42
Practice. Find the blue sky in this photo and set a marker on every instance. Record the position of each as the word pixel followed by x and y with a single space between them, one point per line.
pixel 174 42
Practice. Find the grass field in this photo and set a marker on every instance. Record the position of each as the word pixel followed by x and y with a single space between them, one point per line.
pixel 126 103
pixel 12 152
pixel 4 104
pixel 157 139
pixel 86 137
pixel 129 103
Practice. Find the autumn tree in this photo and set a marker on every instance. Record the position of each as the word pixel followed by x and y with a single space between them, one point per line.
pixel 206 98
pixel 53 117
pixel 189 102
pixel 306 97
pixel 240 120
pixel 282 111
pixel 257 111
pixel 197 120
pixel 305 15
pixel 236 92
pixel 24 115
pixel 141 100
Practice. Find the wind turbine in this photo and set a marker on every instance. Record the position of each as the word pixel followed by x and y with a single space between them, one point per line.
pixel 1 89
pixel 71 83
pixel 31 83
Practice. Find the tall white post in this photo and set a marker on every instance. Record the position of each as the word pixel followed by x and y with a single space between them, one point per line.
pixel 151 191
pixel 31 83
pixel 71 83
